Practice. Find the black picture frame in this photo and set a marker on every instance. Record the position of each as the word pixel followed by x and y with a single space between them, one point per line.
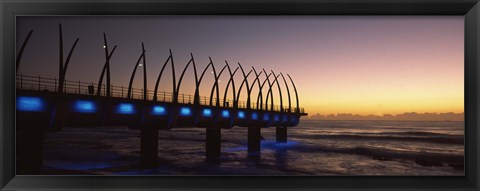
pixel 9 9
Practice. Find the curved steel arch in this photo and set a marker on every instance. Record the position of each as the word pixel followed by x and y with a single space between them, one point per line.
pixel 249 89
pixel 63 65
pixel 64 72
pixel 214 75
pixel 232 81
pixel 145 93
pixel 260 93
pixel 279 90
pixel 175 96
pixel 106 67
pixel 270 85
pixel 288 93
pixel 170 58
pixel 20 53
pixel 296 94
pixel 215 86
pixel 245 81
pixel 129 91
pixel 183 73
pixel 268 92
pixel 257 78
pixel 259 86
pixel 196 99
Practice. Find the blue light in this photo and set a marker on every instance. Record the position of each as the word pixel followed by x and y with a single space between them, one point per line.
pixel 293 119
pixel 84 106
pixel 125 108
pixel 34 104
pixel 159 110
pixel 276 117
pixel 278 146
pixel 225 113
pixel 185 111
pixel 254 116
pixel 207 112
pixel 241 114
pixel 265 117
pixel 285 118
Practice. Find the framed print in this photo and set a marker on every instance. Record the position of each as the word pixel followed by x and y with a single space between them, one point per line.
pixel 240 95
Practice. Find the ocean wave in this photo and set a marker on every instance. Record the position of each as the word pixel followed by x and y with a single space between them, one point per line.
pixel 421 158
pixel 423 133
pixel 445 139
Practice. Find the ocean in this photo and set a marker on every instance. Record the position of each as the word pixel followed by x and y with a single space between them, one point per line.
pixel 314 148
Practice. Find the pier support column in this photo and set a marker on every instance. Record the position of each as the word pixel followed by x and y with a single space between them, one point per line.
pixel 30 137
pixel 254 138
pixel 212 140
pixel 281 133
pixel 149 147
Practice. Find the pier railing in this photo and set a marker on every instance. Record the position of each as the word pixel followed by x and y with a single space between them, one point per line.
pixel 39 83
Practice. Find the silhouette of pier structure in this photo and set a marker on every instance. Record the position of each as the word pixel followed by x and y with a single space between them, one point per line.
pixel 48 104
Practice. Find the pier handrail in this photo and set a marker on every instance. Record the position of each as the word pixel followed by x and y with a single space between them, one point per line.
pixel 39 83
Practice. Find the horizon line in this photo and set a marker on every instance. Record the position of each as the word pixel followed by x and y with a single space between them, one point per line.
pixel 411 112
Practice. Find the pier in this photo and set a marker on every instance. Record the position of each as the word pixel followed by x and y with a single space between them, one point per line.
pixel 48 104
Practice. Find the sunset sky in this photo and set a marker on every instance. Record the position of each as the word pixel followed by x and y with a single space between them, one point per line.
pixel 340 64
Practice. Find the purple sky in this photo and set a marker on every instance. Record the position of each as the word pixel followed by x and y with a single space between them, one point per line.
pixel 341 64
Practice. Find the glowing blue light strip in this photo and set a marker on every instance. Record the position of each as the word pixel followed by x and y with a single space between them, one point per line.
pixel 185 111
pixel 241 114
pixel 293 119
pixel 159 110
pixel 207 112
pixel 125 108
pixel 265 117
pixel 84 106
pixel 225 113
pixel 276 118
pixel 32 104
pixel 254 116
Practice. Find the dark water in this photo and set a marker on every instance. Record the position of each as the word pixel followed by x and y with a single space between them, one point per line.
pixel 314 148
